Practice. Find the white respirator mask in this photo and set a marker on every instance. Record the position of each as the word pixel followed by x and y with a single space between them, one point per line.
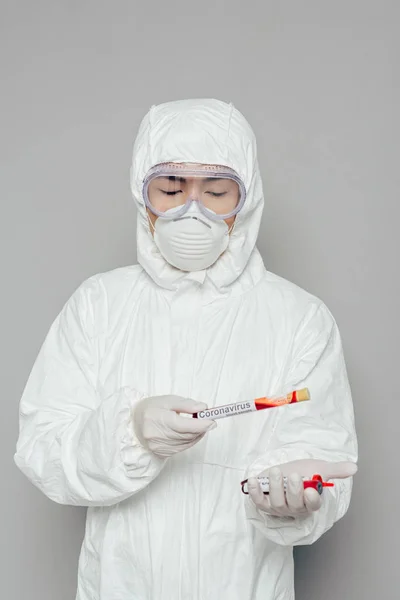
pixel 192 242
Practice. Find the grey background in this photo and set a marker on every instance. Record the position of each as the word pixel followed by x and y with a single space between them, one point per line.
pixel 319 83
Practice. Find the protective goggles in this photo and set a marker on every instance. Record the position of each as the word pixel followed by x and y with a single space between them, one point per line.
pixel 169 190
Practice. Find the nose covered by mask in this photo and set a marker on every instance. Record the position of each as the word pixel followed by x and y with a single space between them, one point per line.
pixel 192 242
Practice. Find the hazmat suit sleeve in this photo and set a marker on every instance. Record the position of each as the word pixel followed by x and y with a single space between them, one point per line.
pixel 75 446
pixel 320 429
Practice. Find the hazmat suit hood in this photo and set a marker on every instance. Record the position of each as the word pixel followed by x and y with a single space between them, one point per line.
pixel 210 132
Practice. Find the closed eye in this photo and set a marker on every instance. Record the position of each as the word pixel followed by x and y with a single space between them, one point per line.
pixel 173 193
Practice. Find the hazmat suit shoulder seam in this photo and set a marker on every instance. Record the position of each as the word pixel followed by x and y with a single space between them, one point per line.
pixel 297 290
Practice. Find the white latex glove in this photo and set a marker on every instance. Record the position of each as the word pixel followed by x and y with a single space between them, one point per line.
pixel 160 428
pixel 296 501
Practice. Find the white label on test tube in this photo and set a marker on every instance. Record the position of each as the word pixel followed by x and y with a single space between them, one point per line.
pixel 264 484
pixel 220 412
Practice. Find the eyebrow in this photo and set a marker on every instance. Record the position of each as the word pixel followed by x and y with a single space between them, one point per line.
pixel 173 178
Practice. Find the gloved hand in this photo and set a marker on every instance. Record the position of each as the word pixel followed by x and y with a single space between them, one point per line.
pixel 160 428
pixel 296 500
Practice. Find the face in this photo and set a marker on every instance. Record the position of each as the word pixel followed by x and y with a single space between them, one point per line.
pixel 218 194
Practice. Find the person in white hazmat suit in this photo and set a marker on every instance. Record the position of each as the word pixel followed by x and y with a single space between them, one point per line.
pixel 105 418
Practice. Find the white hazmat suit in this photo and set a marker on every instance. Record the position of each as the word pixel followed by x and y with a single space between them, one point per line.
pixel 179 528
